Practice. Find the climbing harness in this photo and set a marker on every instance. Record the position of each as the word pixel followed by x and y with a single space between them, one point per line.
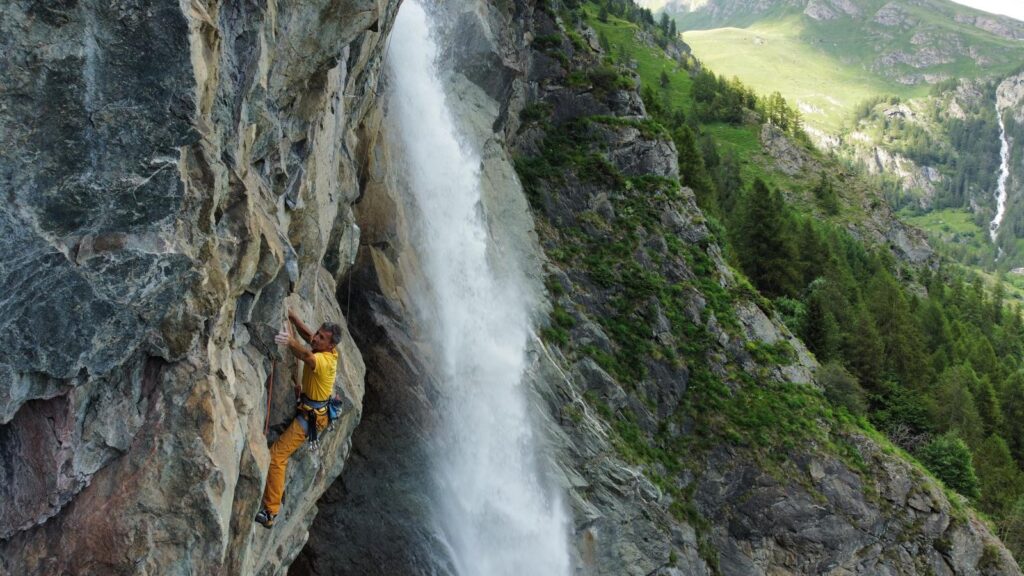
pixel 309 410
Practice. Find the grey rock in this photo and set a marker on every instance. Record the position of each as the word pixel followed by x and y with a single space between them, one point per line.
pixel 635 155
pixel 144 258
pixel 789 158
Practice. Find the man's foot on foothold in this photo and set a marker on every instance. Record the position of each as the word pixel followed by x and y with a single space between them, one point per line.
pixel 265 518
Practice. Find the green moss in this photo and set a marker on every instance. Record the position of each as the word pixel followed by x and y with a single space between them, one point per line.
pixel 573 413
pixel 548 41
pixel 779 353
pixel 649 128
pixel 535 112
pixel 577 41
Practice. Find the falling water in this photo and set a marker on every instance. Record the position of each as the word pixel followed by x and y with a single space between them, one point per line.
pixel 493 507
pixel 1004 174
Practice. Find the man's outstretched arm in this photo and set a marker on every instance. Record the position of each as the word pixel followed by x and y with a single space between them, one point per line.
pixel 287 338
pixel 302 329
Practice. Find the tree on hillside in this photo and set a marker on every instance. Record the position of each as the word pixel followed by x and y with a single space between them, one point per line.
pixel 814 254
pixel 954 409
pixel 949 459
pixel 863 349
pixel 729 182
pixel 903 349
pixel 826 196
pixel 1011 529
pixel 841 388
pixel 692 172
pixel 1011 400
pixel 766 249
pixel 1001 481
pixel 935 327
pixel 821 331
pixel 987 402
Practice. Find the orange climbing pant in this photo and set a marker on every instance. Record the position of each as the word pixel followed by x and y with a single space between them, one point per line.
pixel 280 452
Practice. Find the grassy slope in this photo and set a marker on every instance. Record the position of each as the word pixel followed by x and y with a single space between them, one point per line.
pixel 651 61
pixel 761 416
pixel 771 56
pixel 828 64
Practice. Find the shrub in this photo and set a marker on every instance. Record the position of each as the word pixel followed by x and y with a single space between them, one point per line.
pixel 842 388
pixel 948 457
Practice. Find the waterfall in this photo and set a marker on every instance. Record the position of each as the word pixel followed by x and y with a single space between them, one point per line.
pixel 492 505
pixel 1004 175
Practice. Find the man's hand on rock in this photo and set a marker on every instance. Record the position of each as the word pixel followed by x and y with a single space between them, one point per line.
pixel 285 337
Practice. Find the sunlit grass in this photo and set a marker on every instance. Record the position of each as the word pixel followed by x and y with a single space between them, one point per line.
pixel 773 56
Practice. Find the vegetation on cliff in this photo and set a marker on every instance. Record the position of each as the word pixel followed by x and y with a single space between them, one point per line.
pixel 929 356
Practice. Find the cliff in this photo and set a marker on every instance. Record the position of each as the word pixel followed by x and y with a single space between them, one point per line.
pixel 176 176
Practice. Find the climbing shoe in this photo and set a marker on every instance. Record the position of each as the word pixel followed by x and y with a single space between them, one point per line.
pixel 265 518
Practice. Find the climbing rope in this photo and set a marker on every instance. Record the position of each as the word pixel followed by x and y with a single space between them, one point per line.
pixel 270 395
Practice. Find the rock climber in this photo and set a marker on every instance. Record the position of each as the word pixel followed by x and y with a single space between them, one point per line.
pixel 320 365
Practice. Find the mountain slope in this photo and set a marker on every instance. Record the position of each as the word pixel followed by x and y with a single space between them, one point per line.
pixel 859 48
pixel 912 364
pixel 905 89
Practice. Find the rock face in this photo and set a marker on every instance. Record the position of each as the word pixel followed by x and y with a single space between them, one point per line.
pixel 1009 95
pixel 175 177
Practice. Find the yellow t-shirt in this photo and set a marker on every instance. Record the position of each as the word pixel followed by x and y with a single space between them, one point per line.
pixel 318 383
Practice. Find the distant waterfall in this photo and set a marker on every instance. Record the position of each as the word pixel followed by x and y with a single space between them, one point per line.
pixel 1004 175
pixel 492 506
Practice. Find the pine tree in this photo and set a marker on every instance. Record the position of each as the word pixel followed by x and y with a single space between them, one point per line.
pixel 998 300
pixel 1011 400
pixel 813 252
pixel 863 350
pixel 821 330
pixel 692 172
pixel 904 356
pixel 1001 481
pixel 954 409
pixel 935 326
pixel 729 182
pixel 983 357
pixel 768 254
pixel 987 402
pixel 826 195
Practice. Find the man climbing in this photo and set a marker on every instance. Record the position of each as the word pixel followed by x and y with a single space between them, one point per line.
pixel 320 365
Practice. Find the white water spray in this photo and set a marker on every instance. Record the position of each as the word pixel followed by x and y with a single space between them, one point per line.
pixel 1004 175
pixel 493 507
